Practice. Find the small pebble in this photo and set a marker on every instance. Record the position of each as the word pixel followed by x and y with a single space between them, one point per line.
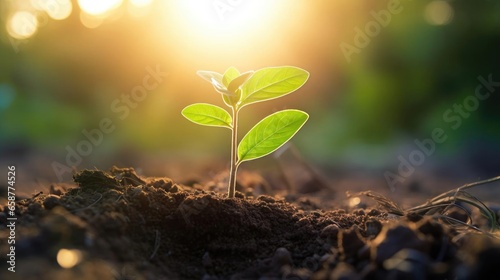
pixel 359 212
pixel 282 257
pixel 350 242
pixel 394 238
pixel 373 227
pixel 330 233
pixel 266 198
pixel 374 212
pixel 206 260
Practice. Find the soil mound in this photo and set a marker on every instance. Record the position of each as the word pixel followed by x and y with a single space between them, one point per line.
pixel 123 226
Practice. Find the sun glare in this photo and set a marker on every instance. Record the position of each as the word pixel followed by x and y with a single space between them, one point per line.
pixel 217 28
pixel 139 8
pixel 22 25
pixel 90 21
pixel 228 31
pixel 99 7
pixel 58 9
pixel 141 3
pixel 208 17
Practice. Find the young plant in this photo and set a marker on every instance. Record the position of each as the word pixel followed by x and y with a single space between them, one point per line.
pixel 239 90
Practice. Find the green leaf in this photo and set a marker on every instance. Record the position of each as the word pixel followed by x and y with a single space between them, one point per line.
pixel 209 76
pixel 272 82
pixel 270 134
pixel 238 81
pixel 233 80
pixel 216 79
pixel 229 75
pixel 207 114
pixel 234 89
pixel 231 98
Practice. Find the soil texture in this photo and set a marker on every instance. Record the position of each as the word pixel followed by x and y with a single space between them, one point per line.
pixel 118 225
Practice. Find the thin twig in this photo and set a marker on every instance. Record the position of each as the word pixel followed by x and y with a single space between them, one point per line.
pixel 157 244
pixel 443 202
pixel 487 181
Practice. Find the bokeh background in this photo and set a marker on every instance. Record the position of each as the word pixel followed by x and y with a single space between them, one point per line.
pixel 64 62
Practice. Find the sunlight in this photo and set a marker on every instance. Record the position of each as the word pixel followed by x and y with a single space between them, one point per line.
pixel 141 3
pixel 210 17
pixel 139 8
pixel 22 25
pixel 221 30
pixel 90 21
pixel 57 9
pixel 98 7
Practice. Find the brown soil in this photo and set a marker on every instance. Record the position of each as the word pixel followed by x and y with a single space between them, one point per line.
pixel 129 227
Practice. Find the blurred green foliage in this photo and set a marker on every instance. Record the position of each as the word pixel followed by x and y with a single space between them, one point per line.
pixel 64 78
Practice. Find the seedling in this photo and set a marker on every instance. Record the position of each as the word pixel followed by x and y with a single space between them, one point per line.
pixel 239 90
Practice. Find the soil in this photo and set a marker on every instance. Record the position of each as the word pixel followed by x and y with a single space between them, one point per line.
pixel 124 226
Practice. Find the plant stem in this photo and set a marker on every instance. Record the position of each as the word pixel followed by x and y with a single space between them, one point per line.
pixel 234 154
